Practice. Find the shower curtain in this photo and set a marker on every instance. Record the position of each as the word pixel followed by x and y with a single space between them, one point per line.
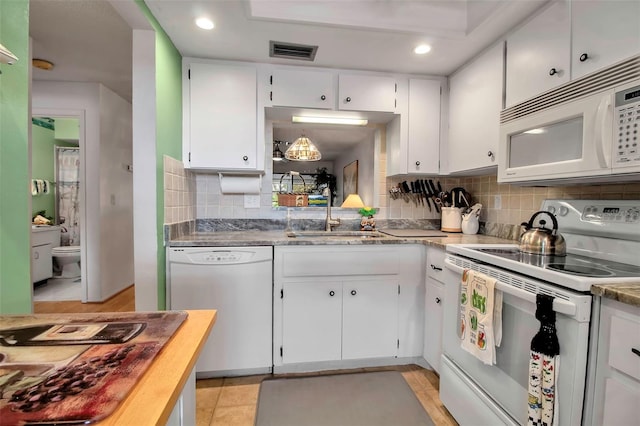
pixel 67 194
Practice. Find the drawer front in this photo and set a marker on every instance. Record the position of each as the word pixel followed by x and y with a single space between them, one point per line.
pixel 624 346
pixel 435 263
pixel 326 261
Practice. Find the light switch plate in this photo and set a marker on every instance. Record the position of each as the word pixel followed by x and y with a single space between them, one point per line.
pixel 251 201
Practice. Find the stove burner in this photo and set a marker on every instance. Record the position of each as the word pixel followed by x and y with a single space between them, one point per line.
pixel 574 269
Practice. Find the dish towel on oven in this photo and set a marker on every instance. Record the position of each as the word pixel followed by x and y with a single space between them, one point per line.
pixel 480 315
pixel 543 367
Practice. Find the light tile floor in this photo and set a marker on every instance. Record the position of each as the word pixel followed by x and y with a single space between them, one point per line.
pixel 232 401
pixel 57 289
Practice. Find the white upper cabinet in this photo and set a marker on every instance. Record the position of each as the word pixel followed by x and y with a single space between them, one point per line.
pixel 302 88
pixel 538 54
pixel 475 101
pixel 366 93
pixel 604 32
pixel 220 118
pixel 413 138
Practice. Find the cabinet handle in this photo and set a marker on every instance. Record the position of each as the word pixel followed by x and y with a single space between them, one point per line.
pixel 584 57
pixel 417 163
pixel 37 255
pixel 348 99
pixel 438 300
pixel 435 268
pixel 245 158
pixel 353 292
pixel 332 293
pixel 635 351
pixel 553 71
pixel 323 97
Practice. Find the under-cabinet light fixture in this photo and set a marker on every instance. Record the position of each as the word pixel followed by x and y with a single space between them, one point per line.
pixel 536 131
pixel 330 120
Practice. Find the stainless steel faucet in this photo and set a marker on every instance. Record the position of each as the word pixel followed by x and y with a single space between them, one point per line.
pixel 329 222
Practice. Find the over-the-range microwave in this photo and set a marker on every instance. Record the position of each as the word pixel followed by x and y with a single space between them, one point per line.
pixel 591 138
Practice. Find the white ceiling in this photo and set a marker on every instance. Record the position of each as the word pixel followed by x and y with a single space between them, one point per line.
pixel 89 41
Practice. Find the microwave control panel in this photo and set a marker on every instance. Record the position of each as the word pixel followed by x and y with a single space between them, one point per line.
pixel 627 126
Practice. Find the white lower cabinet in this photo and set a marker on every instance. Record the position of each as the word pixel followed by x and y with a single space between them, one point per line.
pixel 617 373
pixel 433 307
pixel 344 304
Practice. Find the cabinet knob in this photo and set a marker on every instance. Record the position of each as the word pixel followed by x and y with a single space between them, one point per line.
pixel 348 99
pixel 332 293
pixel 553 71
pixel 323 97
pixel 353 292
pixel 245 158
pixel 417 163
pixel 584 57
pixel 435 268
pixel 490 154
pixel 438 300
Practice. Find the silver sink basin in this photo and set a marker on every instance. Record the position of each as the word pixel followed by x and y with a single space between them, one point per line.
pixel 335 234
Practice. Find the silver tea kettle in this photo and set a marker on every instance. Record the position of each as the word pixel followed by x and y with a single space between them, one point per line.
pixel 541 240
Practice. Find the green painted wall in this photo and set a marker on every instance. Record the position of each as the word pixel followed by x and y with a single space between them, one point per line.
pixel 43 144
pixel 168 128
pixel 15 196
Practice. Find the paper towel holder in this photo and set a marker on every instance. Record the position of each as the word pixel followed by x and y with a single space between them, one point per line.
pixel 234 183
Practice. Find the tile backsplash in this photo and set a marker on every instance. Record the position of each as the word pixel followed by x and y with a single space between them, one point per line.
pixel 179 192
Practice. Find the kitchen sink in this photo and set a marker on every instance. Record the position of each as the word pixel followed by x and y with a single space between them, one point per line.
pixel 335 234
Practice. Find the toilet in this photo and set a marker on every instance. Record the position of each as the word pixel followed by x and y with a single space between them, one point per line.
pixel 68 260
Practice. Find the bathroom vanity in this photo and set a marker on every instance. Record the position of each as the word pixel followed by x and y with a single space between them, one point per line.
pixel 43 239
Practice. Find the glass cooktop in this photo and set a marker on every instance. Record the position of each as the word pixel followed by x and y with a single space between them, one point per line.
pixel 569 264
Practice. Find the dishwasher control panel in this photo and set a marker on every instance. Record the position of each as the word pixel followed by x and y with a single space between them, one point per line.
pixel 221 256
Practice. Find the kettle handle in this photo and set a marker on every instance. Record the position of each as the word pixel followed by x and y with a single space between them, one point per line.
pixel 553 219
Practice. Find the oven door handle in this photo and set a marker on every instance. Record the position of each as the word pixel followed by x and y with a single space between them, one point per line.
pixel 559 305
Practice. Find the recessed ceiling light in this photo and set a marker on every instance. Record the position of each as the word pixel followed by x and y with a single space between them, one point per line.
pixel 422 49
pixel 204 23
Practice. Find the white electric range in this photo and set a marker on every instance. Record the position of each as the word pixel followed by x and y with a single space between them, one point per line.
pixel 603 246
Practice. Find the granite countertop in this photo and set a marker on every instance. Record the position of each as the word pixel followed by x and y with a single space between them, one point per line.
pixel 628 293
pixel 280 238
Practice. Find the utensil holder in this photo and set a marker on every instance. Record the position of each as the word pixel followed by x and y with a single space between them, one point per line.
pixel 451 219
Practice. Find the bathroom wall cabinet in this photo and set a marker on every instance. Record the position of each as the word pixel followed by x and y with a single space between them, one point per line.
pixel 339 304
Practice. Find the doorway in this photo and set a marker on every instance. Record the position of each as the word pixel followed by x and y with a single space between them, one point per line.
pixel 57 164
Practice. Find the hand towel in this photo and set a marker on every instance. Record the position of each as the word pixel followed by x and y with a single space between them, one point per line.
pixel 481 315
pixel 34 187
pixel 543 367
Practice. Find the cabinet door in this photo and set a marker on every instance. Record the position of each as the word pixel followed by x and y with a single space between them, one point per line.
pixel 222 103
pixel 305 89
pixel 475 101
pixel 605 31
pixel 370 319
pixel 366 93
pixel 538 54
pixel 424 126
pixel 311 322
pixel 41 262
pixel 434 296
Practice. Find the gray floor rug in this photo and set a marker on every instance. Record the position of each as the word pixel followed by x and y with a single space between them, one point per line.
pixel 358 399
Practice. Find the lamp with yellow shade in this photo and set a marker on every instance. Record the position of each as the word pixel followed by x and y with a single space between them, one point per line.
pixel 353 201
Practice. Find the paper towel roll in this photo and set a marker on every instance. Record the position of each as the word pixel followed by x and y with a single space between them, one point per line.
pixel 240 184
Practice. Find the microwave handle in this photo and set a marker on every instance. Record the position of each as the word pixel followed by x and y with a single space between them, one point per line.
pixel 603 132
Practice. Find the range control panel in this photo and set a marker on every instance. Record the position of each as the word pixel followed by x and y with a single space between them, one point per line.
pixel 612 214
pixel 627 126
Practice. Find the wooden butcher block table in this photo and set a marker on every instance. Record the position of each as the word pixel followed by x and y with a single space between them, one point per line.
pixel 111 368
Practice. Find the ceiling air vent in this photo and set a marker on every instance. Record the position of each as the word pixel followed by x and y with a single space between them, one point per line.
pixel 301 52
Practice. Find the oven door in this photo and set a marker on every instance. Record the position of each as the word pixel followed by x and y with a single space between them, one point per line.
pixel 476 393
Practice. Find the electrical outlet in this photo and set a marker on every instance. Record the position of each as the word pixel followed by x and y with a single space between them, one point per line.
pixel 251 201
pixel 497 201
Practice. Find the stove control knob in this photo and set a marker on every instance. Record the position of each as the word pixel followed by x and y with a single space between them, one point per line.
pixel 563 211
pixel 551 209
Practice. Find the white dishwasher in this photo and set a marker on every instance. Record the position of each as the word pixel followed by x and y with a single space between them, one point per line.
pixel 238 283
